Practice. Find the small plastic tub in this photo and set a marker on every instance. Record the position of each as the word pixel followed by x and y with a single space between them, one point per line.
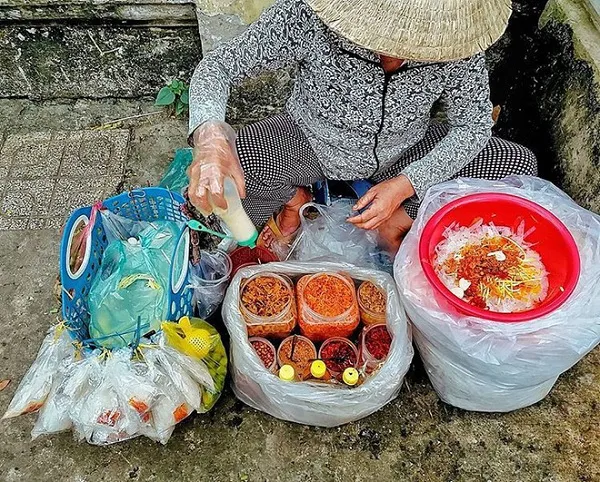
pixel 338 354
pixel 327 306
pixel 265 351
pixel 268 305
pixel 375 344
pixel 299 352
pixel 371 303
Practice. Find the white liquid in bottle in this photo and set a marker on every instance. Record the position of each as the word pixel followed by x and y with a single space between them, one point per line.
pixel 235 217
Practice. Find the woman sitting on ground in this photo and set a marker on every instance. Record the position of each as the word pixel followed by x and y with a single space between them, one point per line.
pixel 368 73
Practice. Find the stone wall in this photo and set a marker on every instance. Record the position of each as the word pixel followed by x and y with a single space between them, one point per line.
pixel 568 95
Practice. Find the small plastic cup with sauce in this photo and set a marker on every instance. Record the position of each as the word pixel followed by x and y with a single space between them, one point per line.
pixel 338 354
pixel 298 351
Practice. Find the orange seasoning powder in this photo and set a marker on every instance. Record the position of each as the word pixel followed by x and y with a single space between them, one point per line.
pixel 327 306
pixel 328 295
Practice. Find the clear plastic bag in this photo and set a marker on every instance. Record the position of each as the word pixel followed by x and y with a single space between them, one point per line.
pixel 314 403
pixel 209 280
pixel 129 294
pixel 37 382
pixel 330 236
pixel 488 366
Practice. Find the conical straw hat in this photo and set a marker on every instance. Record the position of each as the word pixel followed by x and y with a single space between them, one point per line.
pixel 434 30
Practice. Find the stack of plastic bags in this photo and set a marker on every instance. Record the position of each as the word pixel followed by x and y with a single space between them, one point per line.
pixel 111 396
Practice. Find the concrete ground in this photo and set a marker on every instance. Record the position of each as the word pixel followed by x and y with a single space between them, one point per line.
pixel 415 438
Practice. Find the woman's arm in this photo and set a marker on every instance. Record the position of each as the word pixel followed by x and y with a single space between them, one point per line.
pixel 469 112
pixel 275 40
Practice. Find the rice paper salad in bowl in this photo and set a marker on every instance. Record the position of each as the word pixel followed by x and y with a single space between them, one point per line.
pixel 499 257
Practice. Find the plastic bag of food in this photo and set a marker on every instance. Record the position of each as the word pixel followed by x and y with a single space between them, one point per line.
pixel 37 382
pixel 170 407
pixel 70 385
pixel 489 366
pixel 202 344
pixel 179 377
pixel 316 403
pixel 129 294
pixel 104 416
pixel 331 237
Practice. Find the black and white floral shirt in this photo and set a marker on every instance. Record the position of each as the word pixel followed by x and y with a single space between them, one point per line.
pixel 358 119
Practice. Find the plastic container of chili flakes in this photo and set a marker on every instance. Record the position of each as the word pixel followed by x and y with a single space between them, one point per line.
pixel 268 305
pixel 327 306
pixel 375 344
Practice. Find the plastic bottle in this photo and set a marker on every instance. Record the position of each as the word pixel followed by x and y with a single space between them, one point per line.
pixel 236 219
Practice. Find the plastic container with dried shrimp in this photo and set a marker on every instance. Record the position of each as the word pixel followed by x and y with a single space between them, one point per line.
pixel 327 306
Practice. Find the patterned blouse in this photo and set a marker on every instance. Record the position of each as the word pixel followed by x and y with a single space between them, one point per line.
pixel 358 118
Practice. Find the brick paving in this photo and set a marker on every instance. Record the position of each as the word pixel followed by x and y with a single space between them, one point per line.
pixel 45 175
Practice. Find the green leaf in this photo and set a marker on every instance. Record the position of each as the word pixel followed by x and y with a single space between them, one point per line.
pixel 185 96
pixel 165 97
pixel 180 108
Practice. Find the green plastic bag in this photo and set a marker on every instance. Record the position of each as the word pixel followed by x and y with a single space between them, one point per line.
pixel 129 295
pixel 176 179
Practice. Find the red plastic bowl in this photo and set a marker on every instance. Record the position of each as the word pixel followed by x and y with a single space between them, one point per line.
pixel 551 239
pixel 245 256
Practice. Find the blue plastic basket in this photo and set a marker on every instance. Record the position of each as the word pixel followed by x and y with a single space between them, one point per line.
pixel 149 204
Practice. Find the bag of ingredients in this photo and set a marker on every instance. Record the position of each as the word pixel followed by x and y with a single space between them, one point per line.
pixel 482 365
pixel 197 347
pixel 313 403
pixel 330 236
pixel 43 373
pixel 129 294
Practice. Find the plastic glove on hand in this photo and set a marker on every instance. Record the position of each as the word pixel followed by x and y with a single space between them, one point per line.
pixel 215 158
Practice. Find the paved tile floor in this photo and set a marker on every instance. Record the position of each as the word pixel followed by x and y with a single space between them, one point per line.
pixel 45 175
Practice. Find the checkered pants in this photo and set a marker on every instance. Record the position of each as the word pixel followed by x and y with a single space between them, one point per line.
pixel 276 158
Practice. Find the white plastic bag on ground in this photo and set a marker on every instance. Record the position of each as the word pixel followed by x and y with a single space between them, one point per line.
pixel 497 367
pixel 313 403
pixel 37 382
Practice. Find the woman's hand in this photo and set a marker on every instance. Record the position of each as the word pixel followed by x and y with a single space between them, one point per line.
pixel 382 200
pixel 215 158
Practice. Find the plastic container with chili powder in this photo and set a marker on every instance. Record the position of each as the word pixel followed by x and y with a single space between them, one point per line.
pixel 338 354
pixel 327 306
pixel 372 304
pixel 265 351
pixel 375 343
pixel 299 352
pixel 268 305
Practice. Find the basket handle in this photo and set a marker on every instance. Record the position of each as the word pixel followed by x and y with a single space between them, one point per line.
pixel 178 279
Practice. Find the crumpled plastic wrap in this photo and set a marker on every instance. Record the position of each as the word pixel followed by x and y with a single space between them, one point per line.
pixel 313 403
pixel 489 366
